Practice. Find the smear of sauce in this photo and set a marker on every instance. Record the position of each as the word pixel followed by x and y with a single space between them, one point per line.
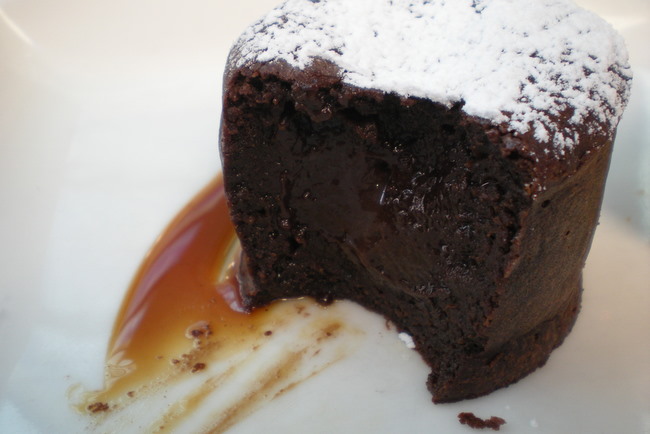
pixel 180 283
pixel 183 348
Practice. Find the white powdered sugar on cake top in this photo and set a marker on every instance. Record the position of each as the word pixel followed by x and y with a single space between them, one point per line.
pixel 514 61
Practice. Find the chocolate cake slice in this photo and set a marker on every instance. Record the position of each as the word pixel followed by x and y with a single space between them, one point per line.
pixel 440 163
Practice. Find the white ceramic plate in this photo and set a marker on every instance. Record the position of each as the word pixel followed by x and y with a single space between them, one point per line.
pixel 108 124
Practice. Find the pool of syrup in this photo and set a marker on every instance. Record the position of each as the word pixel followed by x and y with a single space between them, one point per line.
pixel 181 315
pixel 184 293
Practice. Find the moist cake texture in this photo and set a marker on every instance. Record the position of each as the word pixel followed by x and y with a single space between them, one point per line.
pixel 441 163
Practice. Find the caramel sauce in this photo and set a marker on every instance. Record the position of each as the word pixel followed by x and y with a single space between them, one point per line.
pixel 182 315
pixel 184 290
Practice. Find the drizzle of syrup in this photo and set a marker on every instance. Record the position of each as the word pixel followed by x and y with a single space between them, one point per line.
pixel 182 319
pixel 184 290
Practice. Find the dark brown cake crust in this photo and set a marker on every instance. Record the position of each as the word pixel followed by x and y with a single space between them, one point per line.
pixel 452 228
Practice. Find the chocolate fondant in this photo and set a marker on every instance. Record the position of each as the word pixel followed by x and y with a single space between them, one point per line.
pixel 468 232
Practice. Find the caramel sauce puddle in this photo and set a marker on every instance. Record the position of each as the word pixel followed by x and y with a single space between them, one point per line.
pixel 182 314
pixel 182 281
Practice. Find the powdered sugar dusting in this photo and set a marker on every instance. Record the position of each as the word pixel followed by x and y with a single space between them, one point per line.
pixel 407 339
pixel 515 61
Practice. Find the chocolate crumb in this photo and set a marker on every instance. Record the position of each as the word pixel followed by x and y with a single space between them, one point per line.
pixel 198 330
pixel 130 394
pixel 198 367
pixel 97 407
pixel 268 333
pixel 475 422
